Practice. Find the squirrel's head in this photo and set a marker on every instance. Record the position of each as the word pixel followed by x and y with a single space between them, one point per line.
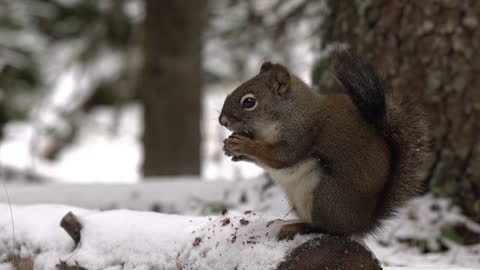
pixel 254 108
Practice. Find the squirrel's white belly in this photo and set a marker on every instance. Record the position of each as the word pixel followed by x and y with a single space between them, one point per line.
pixel 300 182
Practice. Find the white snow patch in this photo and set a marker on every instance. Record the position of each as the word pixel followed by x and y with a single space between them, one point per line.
pixel 423 219
pixel 144 239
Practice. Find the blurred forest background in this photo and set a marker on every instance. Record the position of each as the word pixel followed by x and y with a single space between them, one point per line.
pixel 127 89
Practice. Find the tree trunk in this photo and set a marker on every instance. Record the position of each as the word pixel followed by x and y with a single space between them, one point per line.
pixel 431 48
pixel 171 87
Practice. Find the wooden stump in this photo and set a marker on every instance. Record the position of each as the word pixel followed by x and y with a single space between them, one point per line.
pixel 330 252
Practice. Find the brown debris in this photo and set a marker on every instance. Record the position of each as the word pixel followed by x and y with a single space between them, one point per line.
pixel 197 242
pixel 252 239
pixel 225 221
pixel 244 222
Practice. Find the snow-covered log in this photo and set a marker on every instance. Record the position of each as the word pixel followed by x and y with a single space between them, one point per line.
pixel 123 239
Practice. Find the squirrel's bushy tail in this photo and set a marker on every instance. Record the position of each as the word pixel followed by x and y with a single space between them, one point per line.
pixel 400 120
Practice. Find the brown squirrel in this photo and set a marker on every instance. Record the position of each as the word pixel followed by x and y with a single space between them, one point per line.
pixel 346 161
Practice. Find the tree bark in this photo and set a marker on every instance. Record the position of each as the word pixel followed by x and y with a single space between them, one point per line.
pixel 431 48
pixel 170 88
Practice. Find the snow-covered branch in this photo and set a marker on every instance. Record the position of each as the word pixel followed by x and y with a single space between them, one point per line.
pixel 123 239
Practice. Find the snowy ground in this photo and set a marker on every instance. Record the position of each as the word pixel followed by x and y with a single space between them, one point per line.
pixel 123 239
pixel 417 238
pixel 145 240
pixel 420 236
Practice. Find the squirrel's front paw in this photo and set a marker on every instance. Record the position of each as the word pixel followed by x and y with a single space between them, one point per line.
pixel 239 147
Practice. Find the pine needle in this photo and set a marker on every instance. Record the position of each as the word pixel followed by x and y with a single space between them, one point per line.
pixel 11 219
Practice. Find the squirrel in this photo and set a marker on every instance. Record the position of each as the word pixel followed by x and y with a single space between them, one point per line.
pixel 347 161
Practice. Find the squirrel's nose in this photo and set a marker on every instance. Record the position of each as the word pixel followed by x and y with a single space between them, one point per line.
pixel 223 120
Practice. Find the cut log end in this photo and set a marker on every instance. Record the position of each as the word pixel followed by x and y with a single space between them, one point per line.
pixel 330 252
pixel 72 226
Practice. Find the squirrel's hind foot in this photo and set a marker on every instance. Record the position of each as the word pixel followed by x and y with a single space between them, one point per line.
pixel 289 231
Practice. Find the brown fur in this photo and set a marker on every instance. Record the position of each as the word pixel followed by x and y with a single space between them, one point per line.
pixel 347 200
pixel 370 143
pixel 289 231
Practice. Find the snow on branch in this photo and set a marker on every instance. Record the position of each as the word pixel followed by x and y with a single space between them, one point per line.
pixel 123 239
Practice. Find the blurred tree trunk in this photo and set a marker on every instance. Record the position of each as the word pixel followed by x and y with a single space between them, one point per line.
pixel 170 87
pixel 433 48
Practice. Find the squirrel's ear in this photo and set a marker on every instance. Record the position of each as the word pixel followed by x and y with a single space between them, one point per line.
pixel 266 66
pixel 281 78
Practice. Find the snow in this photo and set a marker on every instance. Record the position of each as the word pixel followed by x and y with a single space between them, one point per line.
pixel 179 195
pixel 96 157
pixel 419 221
pixel 193 197
pixel 143 240
pixel 130 239
pixel 34 232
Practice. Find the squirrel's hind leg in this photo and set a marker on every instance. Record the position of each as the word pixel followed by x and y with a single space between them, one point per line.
pixel 289 231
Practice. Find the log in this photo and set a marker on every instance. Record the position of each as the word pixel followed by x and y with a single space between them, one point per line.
pixel 330 252
pixel 145 240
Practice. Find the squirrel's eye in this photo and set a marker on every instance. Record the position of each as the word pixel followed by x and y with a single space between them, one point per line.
pixel 248 102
